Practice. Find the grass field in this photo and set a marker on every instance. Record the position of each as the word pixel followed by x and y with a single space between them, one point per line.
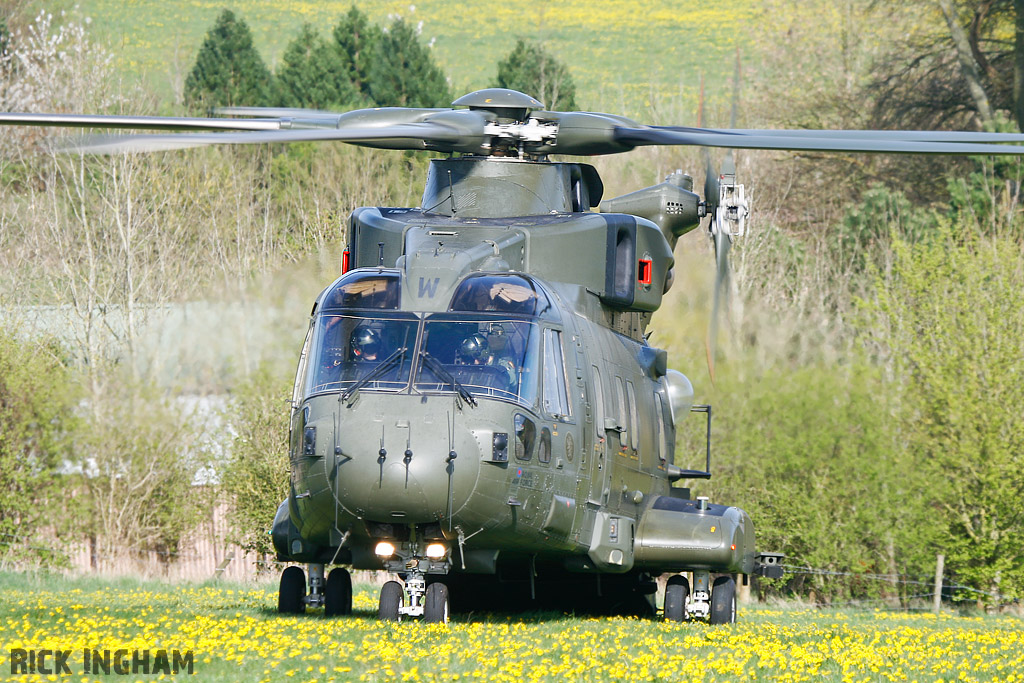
pixel 235 634
pixel 622 54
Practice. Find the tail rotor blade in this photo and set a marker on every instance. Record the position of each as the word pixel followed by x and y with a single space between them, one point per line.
pixel 722 242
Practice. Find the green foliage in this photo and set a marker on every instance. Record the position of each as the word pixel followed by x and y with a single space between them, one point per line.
pixel 140 458
pixel 867 228
pixel 357 40
pixel 988 197
pixel 808 453
pixel 36 422
pixel 314 74
pixel 255 479
pixel 228 70
pixel 954 336
pixel 531 69
pixel 403 74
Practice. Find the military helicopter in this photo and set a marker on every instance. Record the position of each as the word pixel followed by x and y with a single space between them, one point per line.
pixel 476 408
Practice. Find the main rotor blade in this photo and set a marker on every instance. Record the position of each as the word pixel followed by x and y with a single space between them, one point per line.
pixel 275 112
pixel 907 135
pixel 137 122
pixel 401 136
pixel 445 130
pixel 662 136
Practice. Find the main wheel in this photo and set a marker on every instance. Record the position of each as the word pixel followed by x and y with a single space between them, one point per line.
pixel 291 592
pixel 723 601
pixel 392 597
pixel 677 592
pixel 338 593
pixel 435 604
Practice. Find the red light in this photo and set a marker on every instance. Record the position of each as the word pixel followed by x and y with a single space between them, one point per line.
pixel 644 271
pixel 734 546
pixel 346 261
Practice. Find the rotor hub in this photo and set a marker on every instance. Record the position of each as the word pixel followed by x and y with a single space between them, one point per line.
pixel 510 106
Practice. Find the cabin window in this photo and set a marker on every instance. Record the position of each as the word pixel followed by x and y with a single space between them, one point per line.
pixel 627 429
pixel 507 294
pixel 349 348
pixel 526 435
pixel 300 372
pixel 486 355
pixel 634 421
pixel 375 289
pixel 544 452
pixel 598 402
pixel 659 409
pixel 556 393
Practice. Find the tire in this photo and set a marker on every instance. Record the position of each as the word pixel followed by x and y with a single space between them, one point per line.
pixel 435 604
pixel 338 593
pixel 723 601
pixel 677 593
pixel 392 597
pixel 291 592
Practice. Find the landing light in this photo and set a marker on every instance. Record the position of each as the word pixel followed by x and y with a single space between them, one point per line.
pixel 436 551
pixel 384 549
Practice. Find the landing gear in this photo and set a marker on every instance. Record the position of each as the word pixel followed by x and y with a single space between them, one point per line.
pixel 723 601
pixel 430 602
pixel 338 593
pixel 291 594
pixel 677 594
pixel 392 598
pixel 714 603
pixel 435 604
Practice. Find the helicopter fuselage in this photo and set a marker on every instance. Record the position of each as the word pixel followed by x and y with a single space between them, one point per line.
pixel 554 444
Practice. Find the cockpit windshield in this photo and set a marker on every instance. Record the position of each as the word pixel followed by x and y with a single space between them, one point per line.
pixel 486 355
pixel 347 348
pixel 487 345
pixel 506 293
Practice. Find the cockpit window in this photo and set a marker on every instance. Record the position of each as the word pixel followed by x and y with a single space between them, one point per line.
pixel 364 289
pixel 374 349
pixel 485 355
pixel 507 294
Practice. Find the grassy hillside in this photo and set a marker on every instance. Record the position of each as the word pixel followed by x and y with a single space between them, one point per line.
pixel 624 56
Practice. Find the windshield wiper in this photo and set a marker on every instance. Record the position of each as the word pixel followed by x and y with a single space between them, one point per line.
pixel 378 371
pixel 438 369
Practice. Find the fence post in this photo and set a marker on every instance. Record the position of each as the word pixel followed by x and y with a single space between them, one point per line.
pixel 940 561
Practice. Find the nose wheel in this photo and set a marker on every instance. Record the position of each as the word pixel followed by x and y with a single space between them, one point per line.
pixel 429 602
pixel 716 606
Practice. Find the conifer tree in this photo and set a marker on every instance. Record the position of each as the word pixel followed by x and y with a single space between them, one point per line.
pixel 356 39
pixel 228 70
pixel 314 74
pixel 533 70
pixel 402 72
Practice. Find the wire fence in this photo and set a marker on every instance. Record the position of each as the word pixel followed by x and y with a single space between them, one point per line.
pixel 946 587
pixel 248 565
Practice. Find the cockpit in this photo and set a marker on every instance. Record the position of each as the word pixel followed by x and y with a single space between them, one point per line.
pixel 487 344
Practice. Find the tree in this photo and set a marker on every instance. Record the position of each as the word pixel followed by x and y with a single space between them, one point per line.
pixel 36 423
pixel 228 70
pixel 958 73
pixel 357 40
pixel 533 70
pixel 314 74
pixel 255 479
pixel 949 325
pixel 402 72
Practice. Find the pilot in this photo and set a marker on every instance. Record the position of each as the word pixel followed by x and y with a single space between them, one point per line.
pixel 476 350
pixel 366 344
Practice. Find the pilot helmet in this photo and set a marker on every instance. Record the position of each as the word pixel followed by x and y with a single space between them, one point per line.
pixel 365 342
pixel 473 348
